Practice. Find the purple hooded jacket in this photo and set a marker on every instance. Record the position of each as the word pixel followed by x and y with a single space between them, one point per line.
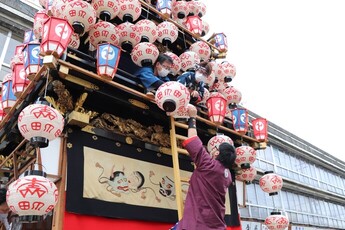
pixel 205 203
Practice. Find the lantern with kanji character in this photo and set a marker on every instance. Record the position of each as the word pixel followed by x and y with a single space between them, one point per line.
pixel 19 78
pixel 271 183
pixel 130 10
pixel 215 141
pixel 104 32
pixel 202 49
pixel 232 95
pixel 56 36
pixel 200 8
pixel 247 175
pixel 180 9
pixel 277 221
pixel 39 123
pixel 216 106
pixel 32 59
pixel 32 196
pixel 164 7
pixel 240 120
pixel 260 128
pixel 8 98
pixel 106 9
pixel 176 66
pixel 188 60
pixel 144 54
pixel 229 71
pixel 129 35
pixel 58 7
pixel 245 156
pixel 221 42
pixel 108 57
pixel 147 30
pixel 80 14
pixel 40 17
pixel 167 33
pixel 171 96
pixel 194 24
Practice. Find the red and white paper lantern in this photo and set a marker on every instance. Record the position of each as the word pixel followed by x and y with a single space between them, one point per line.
pixel 147 30
pixel 188 60
pixel 58 6
pixel 245 156
pixel 167 33
pixel 40 121
pixel 176 66
pixel 40 17
pixel 277 221
pixel 8 99
pixel 104 32
pixel 232 95
pixel 171 96
pixel 180 9
pixel 56 36
pixel 144 54
pixel 202 49
pixel 271 183
pixel 215 141
pixel 247 175
pixel 194 24
pixel 130 10
pixel 229 71
pixel 32 195
pixel 19 78
pixel 216 106
pixel 74 41
pixel 129 35
pixel 106 9
pixel 80 14
pixel 260 129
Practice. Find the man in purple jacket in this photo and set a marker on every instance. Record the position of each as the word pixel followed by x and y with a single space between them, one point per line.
pixel 205 203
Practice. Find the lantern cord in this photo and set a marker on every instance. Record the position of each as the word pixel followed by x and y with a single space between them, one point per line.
pixel 185 44
pixel 47 77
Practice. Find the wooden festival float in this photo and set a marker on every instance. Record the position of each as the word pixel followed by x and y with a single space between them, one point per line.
pixel 111 157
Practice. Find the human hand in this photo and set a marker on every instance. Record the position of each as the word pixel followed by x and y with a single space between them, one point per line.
pixel 194 94
pixel 192 112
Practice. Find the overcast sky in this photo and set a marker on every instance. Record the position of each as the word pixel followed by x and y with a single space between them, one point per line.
pixel 289 57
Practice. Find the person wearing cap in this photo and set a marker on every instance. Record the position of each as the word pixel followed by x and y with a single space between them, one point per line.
pixel 194 81
pixel 205 202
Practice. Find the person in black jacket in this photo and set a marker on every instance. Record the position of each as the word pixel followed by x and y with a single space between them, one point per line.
pixel 194 81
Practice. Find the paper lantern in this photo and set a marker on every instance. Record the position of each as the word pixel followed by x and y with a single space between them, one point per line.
pixel 271 183
pixel 74 41
pixel 216 106
pixel 260 129
pixel 180 9
pixel 171 96
pixel 147 30
pixel 18 57
pixel 29 36
pixel 277 221
pixel 202 49
pixel 232 95
pixel 40 123
pixel 80 14
pixel 240 120
pixel 245 156
pixel 176 66
pixel 108 57
pixel 56 36
pixel 144 54
pixel 188 60
pixel 40 17
pixel 106 9
pixel 32 196
pixel 104 32
pixel 221 42
pixel 192 8
pixel 205 28
pixel 8 99
pixel 181 112
pixel 32 59
pixel 129 35
pixel 200 8
pixel 164 7
pixel 167 33
pixel 215 141
pixel 247 175
pixel 194 25
pixel 19 79
pixel 130 10
pixel 58 6
pixel 229 71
